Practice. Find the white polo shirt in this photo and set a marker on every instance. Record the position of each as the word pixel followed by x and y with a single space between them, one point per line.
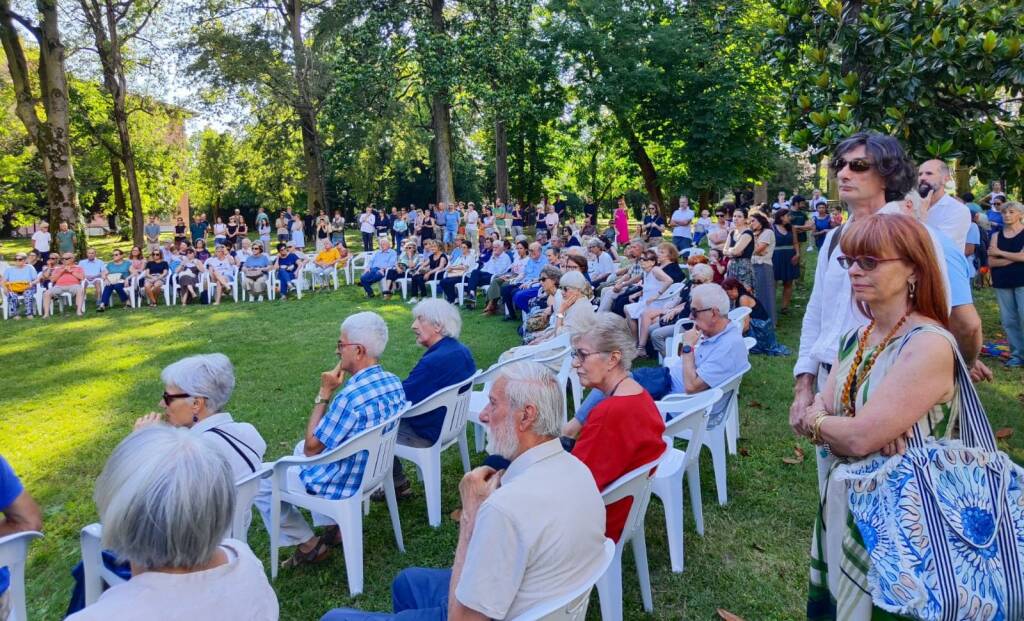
pixel 240 443
pixel 952 218
pixel 41 241
pixel 684 229
pixel 537 537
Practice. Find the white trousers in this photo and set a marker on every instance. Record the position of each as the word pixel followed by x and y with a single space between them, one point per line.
pixel 294 529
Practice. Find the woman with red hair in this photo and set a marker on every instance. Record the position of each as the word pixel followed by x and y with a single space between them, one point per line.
pixel 891 376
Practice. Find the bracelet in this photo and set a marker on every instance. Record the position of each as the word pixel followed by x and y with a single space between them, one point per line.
pixel 816 427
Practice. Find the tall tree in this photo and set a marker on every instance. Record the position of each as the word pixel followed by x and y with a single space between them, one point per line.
pixel 49 134
pixel 113 26
pixel 947 78
pixel 435 45
pixel 245 44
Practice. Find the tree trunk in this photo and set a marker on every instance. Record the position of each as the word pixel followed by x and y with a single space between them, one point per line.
pixel 51 136
pixel 312 147
pixel 440 116
pixel 647 170
pixel 500 161
pixel 120 206
pixel 704 197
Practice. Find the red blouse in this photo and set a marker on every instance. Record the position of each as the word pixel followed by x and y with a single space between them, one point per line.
pixel 620 435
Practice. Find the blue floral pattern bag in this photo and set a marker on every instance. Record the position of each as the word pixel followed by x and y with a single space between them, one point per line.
pixel 943 523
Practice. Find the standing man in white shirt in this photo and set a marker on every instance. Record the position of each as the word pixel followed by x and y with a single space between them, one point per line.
pixel 781 203
pixel 816 199
pixel 93 269
pixel 41 240
pixel 944 212
pixel 682 234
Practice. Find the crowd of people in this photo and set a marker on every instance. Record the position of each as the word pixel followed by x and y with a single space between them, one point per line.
pixel 886 363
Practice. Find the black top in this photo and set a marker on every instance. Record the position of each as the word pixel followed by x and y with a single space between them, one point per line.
pixel 427 230
pixel 155 268
pixel 748 251
pixel 436 262
pixel 656 220
pixel 179 230
pixel 785 240
pixel 758 311
pixel 675 272
pixel 1010 276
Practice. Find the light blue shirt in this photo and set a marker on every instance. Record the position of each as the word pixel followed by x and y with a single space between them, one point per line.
pixel 531 271
pixel 958 269
pixel 93 268
pixel 451 221
pixel 26 273
pixel 498 264
pixel 717 359
pixel 383 260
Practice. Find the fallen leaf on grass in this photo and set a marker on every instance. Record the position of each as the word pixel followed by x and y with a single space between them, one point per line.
pixel 1004 433
pixel 744 451
pixel 725 615
pixel 755 405
pixel 758 547
pixel 797 458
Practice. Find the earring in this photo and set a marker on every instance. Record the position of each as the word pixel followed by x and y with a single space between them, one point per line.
pixel 912 286
pixel 195 419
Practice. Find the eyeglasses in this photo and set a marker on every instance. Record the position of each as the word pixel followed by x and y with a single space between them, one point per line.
pixel 168 397
pixel 696 311
pixel 581 355
pixel 342 345
pixel 865 263
pixel 857 164
pixel 67 258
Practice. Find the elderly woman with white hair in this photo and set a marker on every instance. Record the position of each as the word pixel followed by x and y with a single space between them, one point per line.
pixel 341 410
pixel 657 324
pixel 165 499
pixel 600 265
pixel 623 431
pixel 436 324
pixel 572 313
pixel 196 389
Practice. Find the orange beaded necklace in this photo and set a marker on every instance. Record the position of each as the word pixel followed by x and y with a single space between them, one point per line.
pixel 853 378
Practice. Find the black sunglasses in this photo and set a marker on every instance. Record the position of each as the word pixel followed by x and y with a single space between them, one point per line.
pixel 857 164
pixel 866 263
pixel 168 397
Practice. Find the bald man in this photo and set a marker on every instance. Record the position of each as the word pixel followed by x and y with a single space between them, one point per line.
pixel 945 212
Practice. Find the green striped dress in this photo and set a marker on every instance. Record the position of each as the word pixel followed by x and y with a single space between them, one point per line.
pixel 839 560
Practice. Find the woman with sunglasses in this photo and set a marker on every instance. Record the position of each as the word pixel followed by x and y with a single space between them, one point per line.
pixel 155 276
pixel 739 248
pixel 254 272
pixel 758 323
pixel 655 281
pixel 893 377
pixel 187 275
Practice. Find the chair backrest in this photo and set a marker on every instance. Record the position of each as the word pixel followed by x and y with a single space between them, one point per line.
pixel 560 361
pixel 377 441
pixel 635 484
pixel 730 391
pixel 486 377
pixel 738 314
pixel 672 291
pixel 688 414
pixel 676 340
pixel 14 555
pixel 246 489
pixel 455 400
pixel 573 605
pixel 749 341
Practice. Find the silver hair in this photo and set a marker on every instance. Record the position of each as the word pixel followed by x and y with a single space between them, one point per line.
pixel 210 376
pixel 532 383
pixel 702 272
pixel 710 295
pixel 367 329
pixel 609 332
pixel 550 271
pixel 165 498
pixel 574 280
pixel 441 314
pixel 595 242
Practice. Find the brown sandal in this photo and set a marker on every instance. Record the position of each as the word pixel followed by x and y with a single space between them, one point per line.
pixel 331 536
pixel 319 553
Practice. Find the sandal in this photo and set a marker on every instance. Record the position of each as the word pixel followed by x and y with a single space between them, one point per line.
pixel 319 553
pixel 332 536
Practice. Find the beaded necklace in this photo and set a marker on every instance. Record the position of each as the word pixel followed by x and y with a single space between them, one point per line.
pixel 853 378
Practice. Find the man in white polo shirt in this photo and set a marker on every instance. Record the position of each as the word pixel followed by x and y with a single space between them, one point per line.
pixel 682 234
pixel 527 534
pixel 41 240
pixel 945 213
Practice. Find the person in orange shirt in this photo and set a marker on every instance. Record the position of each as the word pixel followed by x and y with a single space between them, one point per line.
pixel 66 278
pixel 326 261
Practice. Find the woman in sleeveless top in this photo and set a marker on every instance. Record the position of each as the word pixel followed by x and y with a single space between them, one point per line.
pixel 892 378
pixel 188 277
pixel 739 248
pixel 786 258
pixel 1006 258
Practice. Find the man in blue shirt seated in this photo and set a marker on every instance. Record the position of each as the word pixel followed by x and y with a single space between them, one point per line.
pixel 498 264
pixel 342 410
pixel 527 283
pixel 379 264
pixel 437 325
pixel 713 351
pixel 21 513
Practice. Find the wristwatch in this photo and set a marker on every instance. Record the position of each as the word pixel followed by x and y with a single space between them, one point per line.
pixel 687 349
pixel 560 315
pixel 319 400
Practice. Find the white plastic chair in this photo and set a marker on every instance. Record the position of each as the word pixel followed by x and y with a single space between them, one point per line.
pixel 670 293
pixel 96 573
pixel 561 358
pixel 573 606
pixel 636 485
pixel 460 287
pixel 247 296
pixel 36 308
pixel 138 294
pixel 479 398
pixel 378 442
pixel 676 340
pixel 357 262
pixel 738 315
pixel 318 281
pixel 14 555
pixel 689 416
pixel 732 430
pixel 210 285
pixel 455 400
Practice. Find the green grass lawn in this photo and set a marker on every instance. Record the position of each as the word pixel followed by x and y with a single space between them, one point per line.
pixel 72 387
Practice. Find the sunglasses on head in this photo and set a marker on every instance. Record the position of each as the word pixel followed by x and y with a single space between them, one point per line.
pixel 857 164
pixel 865 263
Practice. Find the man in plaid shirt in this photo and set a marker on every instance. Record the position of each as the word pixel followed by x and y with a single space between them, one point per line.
pixel 369 397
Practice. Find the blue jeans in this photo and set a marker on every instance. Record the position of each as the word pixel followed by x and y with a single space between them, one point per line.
pixel 285 278
pixel 111 289
pixel 1011 313
pixel 368 278
pixel 417 594
pixel 681 243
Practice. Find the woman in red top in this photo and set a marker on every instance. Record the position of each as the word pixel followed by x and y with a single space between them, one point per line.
pixel 624 431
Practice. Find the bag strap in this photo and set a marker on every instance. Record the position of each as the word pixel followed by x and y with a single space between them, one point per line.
pixel 975 429
pixel 834 242
pixel 230 439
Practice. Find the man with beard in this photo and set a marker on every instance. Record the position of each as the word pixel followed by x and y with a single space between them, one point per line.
pixel 527 534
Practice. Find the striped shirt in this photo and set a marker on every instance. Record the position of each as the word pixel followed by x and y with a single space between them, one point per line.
pixel 369 398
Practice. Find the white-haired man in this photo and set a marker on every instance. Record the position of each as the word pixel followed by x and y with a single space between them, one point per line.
pixel 436 325
pixel 528 534
pixel 944 212
pixel 369 397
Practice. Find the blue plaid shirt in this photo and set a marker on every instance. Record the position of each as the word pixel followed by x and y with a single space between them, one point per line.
pixel 370 397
